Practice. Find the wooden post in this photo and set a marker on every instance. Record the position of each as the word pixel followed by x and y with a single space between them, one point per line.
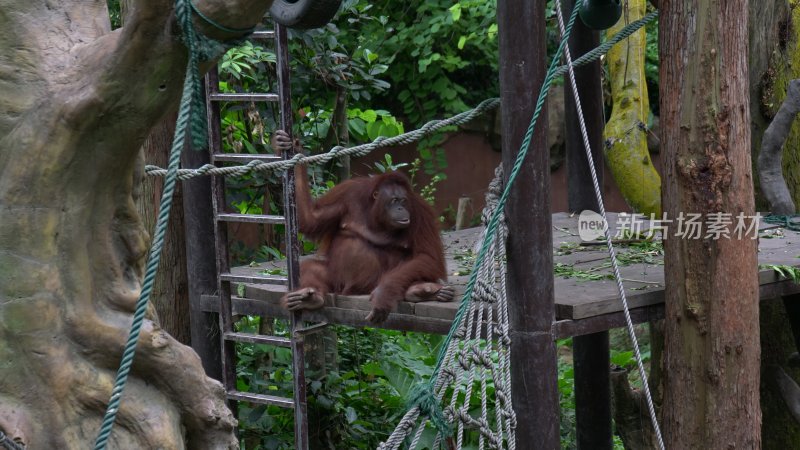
pixel 534 373
pixel 462 214
pixel 201 265
pixel 590 352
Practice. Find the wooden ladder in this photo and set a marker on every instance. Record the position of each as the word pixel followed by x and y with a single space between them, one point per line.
pixel 225 278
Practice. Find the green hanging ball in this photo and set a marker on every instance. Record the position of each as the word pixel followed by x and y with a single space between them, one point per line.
pixel 600 14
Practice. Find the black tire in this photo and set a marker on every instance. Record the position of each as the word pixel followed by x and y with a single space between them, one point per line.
pixel 304 14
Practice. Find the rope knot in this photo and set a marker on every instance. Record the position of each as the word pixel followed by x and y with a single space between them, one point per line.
pixel 422 397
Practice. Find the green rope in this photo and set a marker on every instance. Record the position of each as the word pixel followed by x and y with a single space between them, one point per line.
pixel 200 48
pixel 432 409
pixel 187 108
pixel 603 48
pixel 787 222
pixel 422 396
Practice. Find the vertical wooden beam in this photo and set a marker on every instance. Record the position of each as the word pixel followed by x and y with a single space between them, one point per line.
pixel 590 352
pixel 792 305
pixel 201 268
pixel 293 250
pixel 592 391
pixel 534 374
pixel 580 192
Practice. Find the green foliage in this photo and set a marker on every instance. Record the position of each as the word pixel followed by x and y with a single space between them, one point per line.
pixel 354 407
pixel 387 165
pixel 428 191
pixel 250 65
pixel 784 271
pixel 442 54
pixel 114 13
pixel 357 404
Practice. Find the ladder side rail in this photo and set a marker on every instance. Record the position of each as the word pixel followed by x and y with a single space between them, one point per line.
pixel 228 347
pixel 292 243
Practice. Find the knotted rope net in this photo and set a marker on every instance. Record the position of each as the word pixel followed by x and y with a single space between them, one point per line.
pixel 478 357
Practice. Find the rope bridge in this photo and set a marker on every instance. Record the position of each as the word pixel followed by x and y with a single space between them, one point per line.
pixel 477 349
pixel 488 358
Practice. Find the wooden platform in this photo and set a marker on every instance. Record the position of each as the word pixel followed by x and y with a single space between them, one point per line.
pixel 583 305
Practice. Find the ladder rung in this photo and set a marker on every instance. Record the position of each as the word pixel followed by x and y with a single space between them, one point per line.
pixel 251 218
pixel 239 396
pixel 218 97
pixel 253 279
pixel 244 158
pixel 311 329
pixel 258 339
pixel 263 34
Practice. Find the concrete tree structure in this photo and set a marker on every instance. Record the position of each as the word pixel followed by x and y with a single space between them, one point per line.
pixel 77 101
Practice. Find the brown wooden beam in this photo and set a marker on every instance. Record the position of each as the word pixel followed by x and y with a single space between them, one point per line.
pixel 534 372
pixel 591 351
pixel 201 268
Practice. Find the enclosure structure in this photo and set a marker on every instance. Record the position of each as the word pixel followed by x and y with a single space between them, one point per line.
pixel 543 309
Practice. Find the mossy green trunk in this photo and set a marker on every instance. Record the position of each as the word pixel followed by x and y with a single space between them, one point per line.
pixel 625 133
pixel 774 61
pixel 784 66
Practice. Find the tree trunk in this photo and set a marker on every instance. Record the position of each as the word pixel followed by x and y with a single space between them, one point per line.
pixel 712 357
pixel 77 103
pixel 774 53
pixel 170 290
pixel 781 45
pixel 627 154
pixel 768 32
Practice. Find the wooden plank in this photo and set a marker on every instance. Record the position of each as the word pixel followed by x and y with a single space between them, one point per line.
pixel 568 327
pixel 575 299
pixel 332 314
pixel 293 249
pixel 436 318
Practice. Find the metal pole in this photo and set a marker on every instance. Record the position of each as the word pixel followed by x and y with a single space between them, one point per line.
pixel 534 373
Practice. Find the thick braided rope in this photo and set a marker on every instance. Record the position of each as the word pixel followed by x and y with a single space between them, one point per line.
pixel 335 152
pixel 9 444
pixel 184 117
pixel 612 253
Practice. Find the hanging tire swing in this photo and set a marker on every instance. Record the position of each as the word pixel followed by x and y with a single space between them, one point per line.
pixel 304 14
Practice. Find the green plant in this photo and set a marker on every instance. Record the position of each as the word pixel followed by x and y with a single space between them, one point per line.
pixel 783 270
pixel 440 53
pixel 247 64
pixel 387 165
pixel 114 13
pixel 428 191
